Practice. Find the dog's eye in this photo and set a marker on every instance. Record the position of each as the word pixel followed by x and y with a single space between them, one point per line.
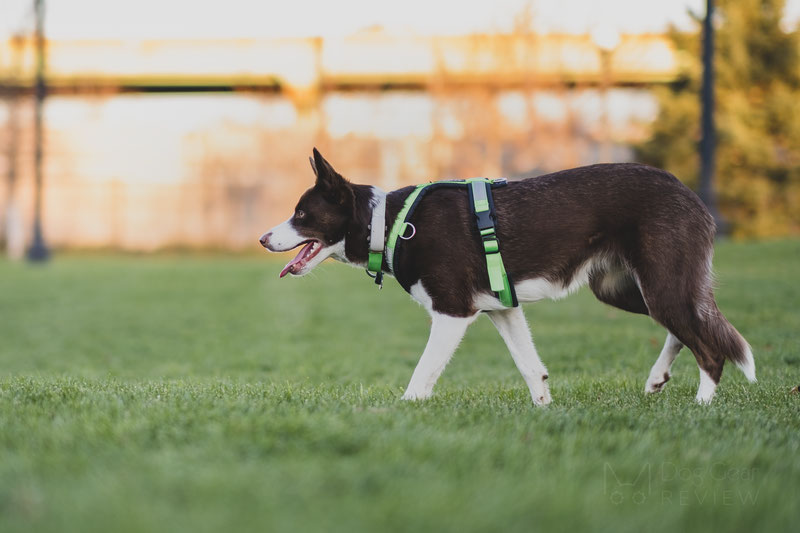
pixel 300 214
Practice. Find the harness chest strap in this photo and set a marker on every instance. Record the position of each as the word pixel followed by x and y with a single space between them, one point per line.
pixel 482 207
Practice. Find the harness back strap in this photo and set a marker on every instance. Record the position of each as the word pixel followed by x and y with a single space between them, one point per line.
pixel 482 206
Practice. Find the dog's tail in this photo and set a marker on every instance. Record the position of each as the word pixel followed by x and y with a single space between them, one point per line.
pixel 726 340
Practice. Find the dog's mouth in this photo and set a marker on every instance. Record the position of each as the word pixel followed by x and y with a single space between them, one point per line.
pixel 307 253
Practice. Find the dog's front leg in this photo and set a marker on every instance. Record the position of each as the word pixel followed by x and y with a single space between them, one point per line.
pixel 513 328
pixel 446 332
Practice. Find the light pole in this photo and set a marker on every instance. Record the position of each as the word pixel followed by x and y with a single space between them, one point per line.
pixel 708 141
pixel 38 250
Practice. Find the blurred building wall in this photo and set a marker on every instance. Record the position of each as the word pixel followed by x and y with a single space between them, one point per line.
pixel 149 171
pixel 369 57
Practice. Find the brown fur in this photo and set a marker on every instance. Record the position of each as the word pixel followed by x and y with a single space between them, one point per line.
pixel 653 234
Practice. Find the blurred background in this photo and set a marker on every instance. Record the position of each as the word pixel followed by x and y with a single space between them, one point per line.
pixel 188 124
pixel 183 391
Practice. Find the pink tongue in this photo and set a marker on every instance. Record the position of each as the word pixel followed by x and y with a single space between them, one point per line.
pixel 297 259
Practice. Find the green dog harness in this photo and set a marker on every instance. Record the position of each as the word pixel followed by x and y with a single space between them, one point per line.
pixel 482 205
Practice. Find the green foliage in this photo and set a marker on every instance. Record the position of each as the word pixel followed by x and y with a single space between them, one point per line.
pixel 757 116
pixel 205 394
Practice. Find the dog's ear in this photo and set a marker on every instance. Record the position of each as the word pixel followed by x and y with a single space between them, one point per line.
pixel 332 185
pixel 326 175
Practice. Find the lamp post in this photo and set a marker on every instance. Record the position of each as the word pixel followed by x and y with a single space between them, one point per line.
pixel 708 141
pixel 38 250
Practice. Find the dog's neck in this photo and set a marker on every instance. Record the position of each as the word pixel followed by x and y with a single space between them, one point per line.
pixel 356 244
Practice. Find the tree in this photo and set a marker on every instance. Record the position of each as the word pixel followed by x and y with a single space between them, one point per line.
pixel 757 118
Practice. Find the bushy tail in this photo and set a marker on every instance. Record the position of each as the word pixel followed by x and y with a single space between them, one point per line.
pixel 727 341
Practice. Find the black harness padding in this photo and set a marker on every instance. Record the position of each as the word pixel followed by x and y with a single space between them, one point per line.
pixel 485 220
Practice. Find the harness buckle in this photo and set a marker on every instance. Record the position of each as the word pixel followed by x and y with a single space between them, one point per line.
pixel 490 245
pixel 485 220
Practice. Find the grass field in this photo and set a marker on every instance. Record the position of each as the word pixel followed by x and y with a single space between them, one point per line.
pixel 202 393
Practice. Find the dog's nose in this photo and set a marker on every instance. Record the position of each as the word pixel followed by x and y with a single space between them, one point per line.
pixel 264 240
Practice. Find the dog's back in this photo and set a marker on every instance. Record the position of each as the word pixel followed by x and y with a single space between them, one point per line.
pixel 559 226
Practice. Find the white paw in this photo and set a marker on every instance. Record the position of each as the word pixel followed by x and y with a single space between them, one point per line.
pixel 656 383
pixel 706 390
pixel 540 393
pixel 704 400
pixel 542 400
pixel 411 395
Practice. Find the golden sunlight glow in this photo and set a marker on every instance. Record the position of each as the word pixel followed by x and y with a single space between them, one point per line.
pixel 394 93
pixel 157 19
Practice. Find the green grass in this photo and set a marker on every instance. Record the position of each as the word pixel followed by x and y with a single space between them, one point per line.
pixel 201 393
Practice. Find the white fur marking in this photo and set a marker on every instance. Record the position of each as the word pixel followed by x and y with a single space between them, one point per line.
pixel 513 328
pixel 419 294
pixel 705 392
pixel 748 366
pixel 660 372
pixel 378 196
pixel 488 302
pixel 533 290
pixel 446 333
pixel 284 237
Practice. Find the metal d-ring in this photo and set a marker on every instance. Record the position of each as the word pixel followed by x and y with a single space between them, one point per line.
pixel 413 231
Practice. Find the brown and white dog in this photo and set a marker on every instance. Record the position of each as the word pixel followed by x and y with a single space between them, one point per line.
pixel 639 238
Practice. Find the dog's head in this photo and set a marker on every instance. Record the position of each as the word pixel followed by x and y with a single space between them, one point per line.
pixel 319 222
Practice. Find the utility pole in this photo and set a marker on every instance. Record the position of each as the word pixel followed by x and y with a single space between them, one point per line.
pixel 708 142
pixel 38 251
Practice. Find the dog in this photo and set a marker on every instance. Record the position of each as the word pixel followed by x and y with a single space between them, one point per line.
pixel 639 238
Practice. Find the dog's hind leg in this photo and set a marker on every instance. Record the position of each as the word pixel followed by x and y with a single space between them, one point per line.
pixel 513 328
pixel 617 286
pixel 681 308
pixel 446 333
pixel 685 306
pixel 659 374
